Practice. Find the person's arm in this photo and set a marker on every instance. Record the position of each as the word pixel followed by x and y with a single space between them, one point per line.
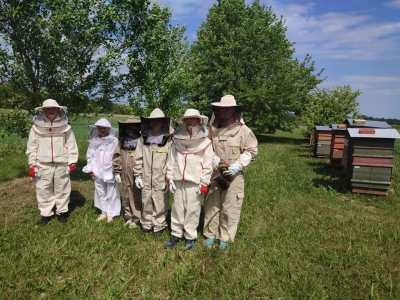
pixel 31 151
pixel 250 149
pixel 207 166
pixel 73 152
pixel 138 161
pixel 171 162
pixel 116 160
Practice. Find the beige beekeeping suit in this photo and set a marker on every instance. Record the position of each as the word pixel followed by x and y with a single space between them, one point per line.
pixel 150 165
pixel 131 195
pixel 52 147
pixel 233 144
pixel 189 165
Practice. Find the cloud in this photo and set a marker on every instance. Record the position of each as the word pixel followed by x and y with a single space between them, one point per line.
pixel 394 3
pixel 183 8
pixel 372 79
pixel 355 35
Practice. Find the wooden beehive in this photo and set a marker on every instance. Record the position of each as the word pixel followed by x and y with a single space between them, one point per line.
pixel 369 160
pixel 322 141
pixel 361 124
pixel 337 144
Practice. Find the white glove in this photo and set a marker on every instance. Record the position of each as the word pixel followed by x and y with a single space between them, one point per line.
pixel 216 161
pixel 171 185
pixel 165 187
pixel 232 170
pixel 139 183
pixel 118 178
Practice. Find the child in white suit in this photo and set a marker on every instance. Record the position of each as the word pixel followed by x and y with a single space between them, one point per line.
pixel 104 166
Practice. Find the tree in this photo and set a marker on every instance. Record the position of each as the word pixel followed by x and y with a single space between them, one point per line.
pixel 73 51
pixel 326 107
pixel 242 50
pixel 158 67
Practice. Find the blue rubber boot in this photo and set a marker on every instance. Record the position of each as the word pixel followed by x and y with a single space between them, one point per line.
pixel 173 241
pixel 189 244
pixel 208 242
pixel 223 245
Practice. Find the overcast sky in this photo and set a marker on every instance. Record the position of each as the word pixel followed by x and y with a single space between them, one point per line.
pixel 357 42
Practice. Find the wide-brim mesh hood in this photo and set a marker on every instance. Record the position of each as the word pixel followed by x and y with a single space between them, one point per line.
pixel 93 132
pixel 166 129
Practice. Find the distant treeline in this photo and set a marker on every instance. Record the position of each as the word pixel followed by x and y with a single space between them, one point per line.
pixel 389 121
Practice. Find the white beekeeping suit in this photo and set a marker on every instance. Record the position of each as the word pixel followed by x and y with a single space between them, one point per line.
pixel 104 162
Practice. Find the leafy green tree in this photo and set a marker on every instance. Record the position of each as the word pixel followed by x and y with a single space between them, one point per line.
pixel 242 50
pixel 158 66
pixel 326 107
pixel 76 51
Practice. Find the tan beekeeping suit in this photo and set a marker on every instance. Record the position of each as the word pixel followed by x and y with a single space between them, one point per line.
pixel 233 144
pixel 150 164
pixel 131 195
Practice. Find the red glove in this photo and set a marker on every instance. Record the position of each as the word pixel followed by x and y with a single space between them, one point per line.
pixel 203 189
pixel 32 171
pixel 72 168
pixel 91 174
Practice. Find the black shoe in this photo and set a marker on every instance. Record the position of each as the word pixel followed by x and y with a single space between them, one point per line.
pixel 158 233
pixel 173 241
pixel 62 217
pixel 143 230
pixel 45 220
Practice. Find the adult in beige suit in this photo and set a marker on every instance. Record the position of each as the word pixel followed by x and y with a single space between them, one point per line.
pixel 234 145
pixel 129 134
pixel 150 168
pixel 52 154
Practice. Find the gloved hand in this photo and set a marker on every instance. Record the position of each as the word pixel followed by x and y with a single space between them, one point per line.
pixel 216 161
pixel 72 168
pixel 139 183
pixel 34 171
pixel 232 170
pixel 171 185
pixel 118 178
pixel 91 175
pixel 165 187
pixel 201 189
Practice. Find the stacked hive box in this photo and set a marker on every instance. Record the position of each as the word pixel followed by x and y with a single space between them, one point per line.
pixel 322 141
pixel 370 154
pixel 359 123
pixel 337 144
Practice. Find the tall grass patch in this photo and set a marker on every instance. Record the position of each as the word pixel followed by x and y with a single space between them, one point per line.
pixel 302 235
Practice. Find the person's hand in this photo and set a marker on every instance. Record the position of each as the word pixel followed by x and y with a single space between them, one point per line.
pixel 33 171
pixel 118 178
pixel 202 189
pixel 233 169
pixel 72 168
pixel 171 185
pixel 216 161
pixel 91 175
pixel 139 183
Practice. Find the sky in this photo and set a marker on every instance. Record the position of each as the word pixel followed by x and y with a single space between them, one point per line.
pixel 356 42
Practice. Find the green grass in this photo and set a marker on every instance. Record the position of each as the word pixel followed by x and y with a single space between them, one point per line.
pixel 301 236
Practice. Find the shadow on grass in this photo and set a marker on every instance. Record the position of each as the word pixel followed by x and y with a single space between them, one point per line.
pixel 76 200
pixel 78 174
pixel 336 184
pixel 274 139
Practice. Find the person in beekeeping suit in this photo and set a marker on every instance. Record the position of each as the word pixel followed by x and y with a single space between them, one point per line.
pixel 104 166
pixel 129 134
pixel 188 175
pixel 235 146
pixel 150 168
pixel 52 154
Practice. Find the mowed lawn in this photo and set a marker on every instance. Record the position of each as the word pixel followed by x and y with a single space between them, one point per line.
pixel 301 236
